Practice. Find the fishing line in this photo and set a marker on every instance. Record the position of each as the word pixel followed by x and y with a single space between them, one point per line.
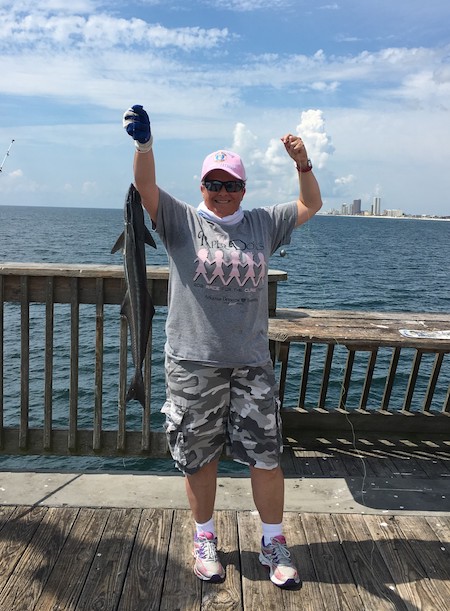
pixel 354 440
pixel 307 230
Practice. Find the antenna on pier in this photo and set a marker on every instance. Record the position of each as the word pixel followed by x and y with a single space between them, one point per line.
pixel 6 155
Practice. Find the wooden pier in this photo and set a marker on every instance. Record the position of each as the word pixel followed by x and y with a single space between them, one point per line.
pixel 82 558
pixel 368 507
pixel 135 560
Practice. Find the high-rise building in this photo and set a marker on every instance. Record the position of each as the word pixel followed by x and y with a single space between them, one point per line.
pixel 356 207
pixel 376 206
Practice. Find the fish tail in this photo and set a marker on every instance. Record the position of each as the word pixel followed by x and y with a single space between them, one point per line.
pixel 136 389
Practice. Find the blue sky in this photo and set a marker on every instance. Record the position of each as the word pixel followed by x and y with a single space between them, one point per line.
pixel 365 82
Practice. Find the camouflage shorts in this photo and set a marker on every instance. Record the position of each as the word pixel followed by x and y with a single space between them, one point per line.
pixel 210 408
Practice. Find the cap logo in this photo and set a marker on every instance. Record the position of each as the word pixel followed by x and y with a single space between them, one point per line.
pixel 220 156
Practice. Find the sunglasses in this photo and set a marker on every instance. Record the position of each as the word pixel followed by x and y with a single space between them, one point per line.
pixel 231 186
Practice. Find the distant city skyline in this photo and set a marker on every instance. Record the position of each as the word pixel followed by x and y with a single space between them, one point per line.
pixel 355 209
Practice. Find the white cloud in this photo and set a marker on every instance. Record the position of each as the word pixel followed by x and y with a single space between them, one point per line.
pixel 102 31
pixel 16 174
pixel 51 54
pixel 345 180
pixel 250 5
pixel 428 89
pixel 17 182
pixel 89 188
pixel 269 168
pixel 325 87
pixel 50 6
pixel 344 186
pixel 312 131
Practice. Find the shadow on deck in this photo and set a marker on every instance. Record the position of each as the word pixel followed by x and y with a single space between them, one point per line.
pixel 80 554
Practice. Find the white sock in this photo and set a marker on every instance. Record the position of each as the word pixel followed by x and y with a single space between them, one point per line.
pixel 207 527
pixel 270 531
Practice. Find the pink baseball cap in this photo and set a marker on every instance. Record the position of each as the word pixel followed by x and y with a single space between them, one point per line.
pixel 224 160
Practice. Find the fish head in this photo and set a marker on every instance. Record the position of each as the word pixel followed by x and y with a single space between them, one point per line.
pixel 133 208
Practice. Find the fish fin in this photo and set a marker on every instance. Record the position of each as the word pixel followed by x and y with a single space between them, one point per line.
pixel 136 389
pixel 149 238
pixel 120 243
pixel 125 307
pixel 150 308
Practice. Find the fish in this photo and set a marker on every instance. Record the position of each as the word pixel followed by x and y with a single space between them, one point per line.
pixel 137 306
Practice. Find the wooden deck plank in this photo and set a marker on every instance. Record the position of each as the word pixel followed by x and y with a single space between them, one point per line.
pixel 182 589
pixel 306 459
pixel 307 463
pixel 412 582
pixel 331 464
pixel 66 581
pixel 433 556
pixel 336 581
pixel 406 462
pixel 145 576
pixel 379 466
pixel 353 456
pixel 104 582
pixel 365 455
pixel 110 559
pixel 288 461
pixel 374 582
pixel 349 456
pixel 437 468
pixel 433 467
pixel 5 514
pixel 352 463
pixel 309 598
pixel 226 596
pixel 258 592
pixel 15 536
pixel 376 462
pixel 407 457
pixel 36 563
pixel 441 527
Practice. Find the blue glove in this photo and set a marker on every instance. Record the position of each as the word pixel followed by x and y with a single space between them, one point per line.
pixel 137 125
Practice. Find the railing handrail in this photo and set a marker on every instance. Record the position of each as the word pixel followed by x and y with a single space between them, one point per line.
pixel 94 270
pixel 366 333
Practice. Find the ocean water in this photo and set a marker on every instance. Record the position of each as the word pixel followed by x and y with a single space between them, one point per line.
pixel 332 263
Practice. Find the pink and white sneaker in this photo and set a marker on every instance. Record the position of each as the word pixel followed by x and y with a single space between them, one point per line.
pixel 278 558
pixel 207 565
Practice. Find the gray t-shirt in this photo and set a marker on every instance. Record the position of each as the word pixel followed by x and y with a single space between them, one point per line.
pixel 218 285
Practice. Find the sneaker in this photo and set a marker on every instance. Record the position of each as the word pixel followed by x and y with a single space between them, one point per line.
pixel 207 565
pixel 278 558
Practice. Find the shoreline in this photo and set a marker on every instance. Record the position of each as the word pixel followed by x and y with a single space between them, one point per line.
pixel 396 218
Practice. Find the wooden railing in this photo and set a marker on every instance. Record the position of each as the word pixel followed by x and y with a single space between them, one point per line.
pixel 44 409
pixel 71 287
pixel 343 336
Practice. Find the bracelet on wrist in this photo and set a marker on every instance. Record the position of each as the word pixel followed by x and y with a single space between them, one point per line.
pixel 308 168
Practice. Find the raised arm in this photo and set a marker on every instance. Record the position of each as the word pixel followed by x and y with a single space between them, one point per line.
pixel 137 125
pixel 309 200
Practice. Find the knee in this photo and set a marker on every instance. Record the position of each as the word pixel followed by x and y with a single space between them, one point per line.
pixel 266 474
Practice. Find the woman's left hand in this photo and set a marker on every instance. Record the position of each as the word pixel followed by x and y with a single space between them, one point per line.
pixel 296 149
